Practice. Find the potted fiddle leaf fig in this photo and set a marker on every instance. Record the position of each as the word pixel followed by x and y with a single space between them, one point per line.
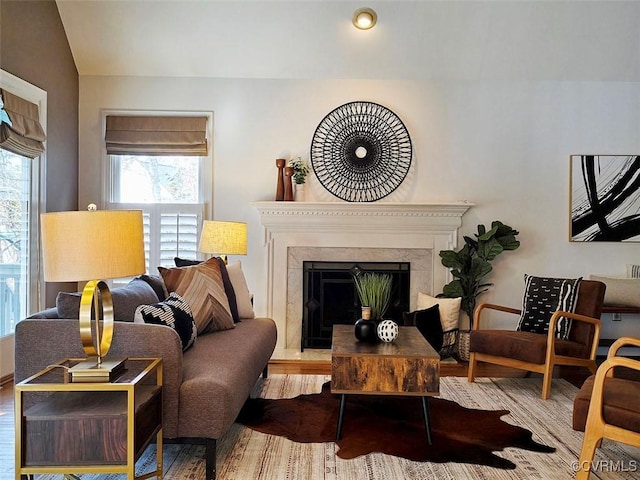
pixel 472 263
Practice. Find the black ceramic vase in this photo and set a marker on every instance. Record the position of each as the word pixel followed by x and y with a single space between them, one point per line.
pixel 366 330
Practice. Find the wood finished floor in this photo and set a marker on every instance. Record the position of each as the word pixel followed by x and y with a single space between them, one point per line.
pixel 7 425
pixel 7 453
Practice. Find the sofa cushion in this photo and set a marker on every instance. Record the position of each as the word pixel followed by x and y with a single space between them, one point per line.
pixel 173 312
pixel 544 296
pixel 620 291
pixel 156 282
pixel 526 346
pixel 428 323
pixel 243 296
pixel 125 300
pixel 202 287
pixel 621 406
pixel 228 287
pixel 449 309
pixel 185 262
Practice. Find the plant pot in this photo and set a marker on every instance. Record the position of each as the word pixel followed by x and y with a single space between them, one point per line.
pixel 366 330
pixel 464 336
pixel 300 193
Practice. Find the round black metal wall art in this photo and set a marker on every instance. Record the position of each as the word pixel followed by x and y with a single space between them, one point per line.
pixel 361 152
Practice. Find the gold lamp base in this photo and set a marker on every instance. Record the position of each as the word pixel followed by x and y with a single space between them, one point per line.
pixel 96 341
pixel 90 370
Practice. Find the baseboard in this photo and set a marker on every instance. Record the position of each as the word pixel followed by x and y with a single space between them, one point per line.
pixel 6 379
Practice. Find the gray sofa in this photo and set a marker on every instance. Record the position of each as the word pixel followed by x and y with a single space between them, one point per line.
pixel 204 387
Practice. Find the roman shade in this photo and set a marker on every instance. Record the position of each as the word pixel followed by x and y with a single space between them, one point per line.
pixel 150 135
pixel 24 135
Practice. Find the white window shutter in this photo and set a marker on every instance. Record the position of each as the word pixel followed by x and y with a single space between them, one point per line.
pixel 170 230
pixel 179 234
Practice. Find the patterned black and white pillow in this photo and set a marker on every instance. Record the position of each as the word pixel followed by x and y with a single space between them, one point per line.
pixel 543 296
pixel 174 312
pixel 633 271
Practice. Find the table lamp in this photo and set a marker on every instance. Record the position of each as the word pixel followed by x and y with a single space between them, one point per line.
pixel 223 238
pixel 90 245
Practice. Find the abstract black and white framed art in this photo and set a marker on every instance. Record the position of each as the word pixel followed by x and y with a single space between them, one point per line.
pixel 605 198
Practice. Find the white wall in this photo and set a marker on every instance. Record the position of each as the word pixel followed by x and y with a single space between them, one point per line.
pixel 503 145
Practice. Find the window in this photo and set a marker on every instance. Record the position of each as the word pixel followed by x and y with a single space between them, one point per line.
pixel 21 157
pixel 15 213
pixel 167 190
pixel 170 189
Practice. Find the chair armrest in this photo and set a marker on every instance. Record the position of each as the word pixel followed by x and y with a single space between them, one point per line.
pixel 605 370
pixel 621 342
pixel 576 317
pixel 490 306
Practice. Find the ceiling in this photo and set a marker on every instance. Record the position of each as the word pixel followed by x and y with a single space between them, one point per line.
pixel 303 39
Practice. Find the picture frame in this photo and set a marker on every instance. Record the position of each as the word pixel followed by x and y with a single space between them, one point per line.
pixel 605 198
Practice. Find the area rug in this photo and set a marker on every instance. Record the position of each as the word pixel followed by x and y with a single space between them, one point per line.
pixel 392 425
pixel 244 453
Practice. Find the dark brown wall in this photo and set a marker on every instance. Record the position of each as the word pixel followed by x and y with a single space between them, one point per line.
pixel 34 47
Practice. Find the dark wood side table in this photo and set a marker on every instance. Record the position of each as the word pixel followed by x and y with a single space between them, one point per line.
pixel 407 366
pixel 64 427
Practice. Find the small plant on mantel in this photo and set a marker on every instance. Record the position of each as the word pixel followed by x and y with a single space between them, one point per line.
pixel 300 170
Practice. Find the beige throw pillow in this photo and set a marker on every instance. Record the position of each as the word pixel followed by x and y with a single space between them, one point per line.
pixel 620 291
pixel 202 288
pixel 449 309
pixel 243 296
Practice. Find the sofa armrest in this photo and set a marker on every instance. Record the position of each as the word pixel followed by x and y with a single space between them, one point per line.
pixel 39 343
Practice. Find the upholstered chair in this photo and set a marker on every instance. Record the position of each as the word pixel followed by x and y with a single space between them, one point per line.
pixel 608 405
pixel 537 352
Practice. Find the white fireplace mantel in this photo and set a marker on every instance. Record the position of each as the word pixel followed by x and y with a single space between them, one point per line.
pixel 351 225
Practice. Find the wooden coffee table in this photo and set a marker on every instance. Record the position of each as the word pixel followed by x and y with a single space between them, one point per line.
pixel 407 366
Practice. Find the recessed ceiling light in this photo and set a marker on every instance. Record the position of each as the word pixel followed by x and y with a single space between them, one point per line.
pixel 364 18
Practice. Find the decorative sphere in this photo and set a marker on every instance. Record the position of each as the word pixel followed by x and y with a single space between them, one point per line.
pixel 387 330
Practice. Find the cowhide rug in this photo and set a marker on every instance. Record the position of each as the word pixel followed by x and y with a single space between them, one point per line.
pixel 392 425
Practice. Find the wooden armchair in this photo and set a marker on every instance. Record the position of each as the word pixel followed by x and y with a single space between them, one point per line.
pixel 613 406
pixel 537 352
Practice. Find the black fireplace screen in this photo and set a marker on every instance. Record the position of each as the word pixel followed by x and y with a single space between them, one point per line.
pixel 330 298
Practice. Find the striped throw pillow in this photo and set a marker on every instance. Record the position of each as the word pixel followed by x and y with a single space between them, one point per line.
pixel 202 288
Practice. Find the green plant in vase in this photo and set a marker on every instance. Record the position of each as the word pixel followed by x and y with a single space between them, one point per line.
pixel 374 292
pixel 300 170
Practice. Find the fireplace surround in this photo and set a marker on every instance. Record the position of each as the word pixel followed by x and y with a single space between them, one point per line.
pixel 329 296
pixel 342 231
